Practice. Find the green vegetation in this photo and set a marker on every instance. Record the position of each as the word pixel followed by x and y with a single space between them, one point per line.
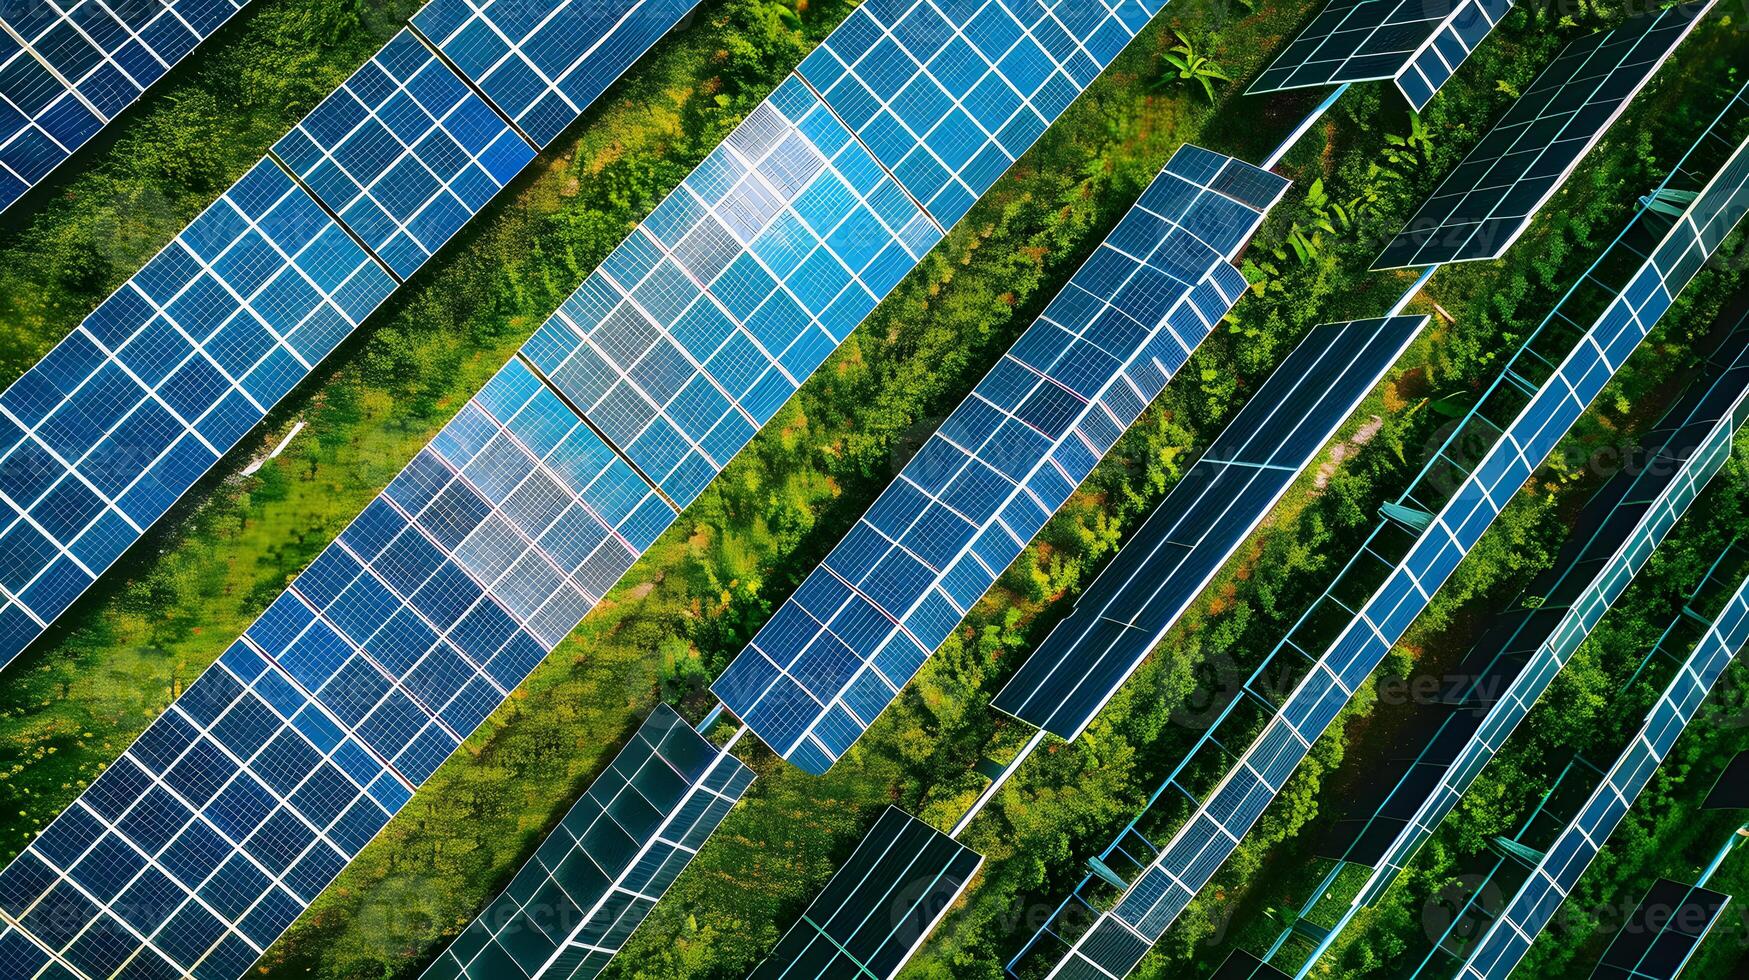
pixel 76 699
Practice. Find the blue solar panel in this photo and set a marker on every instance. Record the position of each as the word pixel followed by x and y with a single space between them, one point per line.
pixel 1535 904
pixel 1215 506
pixel 1489 200
pixel 1418 43
pixel 103 434
pixel 1224 816
pixel 947 96
pixel 497 538
pixel 543 61
pixel 404 153
pixel 837 653
pixel 84 61
pixel 591 883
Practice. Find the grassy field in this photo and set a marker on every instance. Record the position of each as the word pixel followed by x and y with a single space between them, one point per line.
pixel 76 699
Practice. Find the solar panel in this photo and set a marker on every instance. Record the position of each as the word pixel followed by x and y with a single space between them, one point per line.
pixel 879 907
pixel 446 591
pixel 542 62
pixel 578 900
pixel 1241 965
pixel 1417 43
pixel 1731 792
pixel 1661 936
pixel 1184 865
pixel 1538 899
pixel 67 67
pixel 860 626
pixel 106 431
pixel 1215 506
pixel 1520 656
pixel 1488 201
pixel 404 153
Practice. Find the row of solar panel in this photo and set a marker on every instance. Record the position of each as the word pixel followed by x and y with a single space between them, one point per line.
pixel 1214 507
pixel 1173 879
pixel 572 907
pixel 861 625
pixel 1509 938
pixel 495 541
pixel 1487 202
pixel 1629 518
pixel 67 67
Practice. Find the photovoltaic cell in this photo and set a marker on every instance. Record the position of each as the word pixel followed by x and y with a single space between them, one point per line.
pixel 1185 864
pixel 542 62
pixel 879 907
pixel 837 653
pixel 481 555
pixel 578 900
pixel 1660 937
pixel 1489 200
pixel 404 153
pixel 102 435
pixel 1418 43
pixel 1538 899
pixel 1215 506
pixel 67 67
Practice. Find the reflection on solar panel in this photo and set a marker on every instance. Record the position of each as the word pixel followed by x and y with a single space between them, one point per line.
pixel 101 436
pixel 1657 941
pixel 67 67
pixel 1218 503
pixel 1536 902
pixel 1524 651
pixel 1243 966
pixel 1489 200
pixel 479 557
pixel 879 907
pixel 544 61
pixel 1418 43
pixel 572 907
pixel 1731 792
pixel 837 653
pixel 404 153
pixel 1181 868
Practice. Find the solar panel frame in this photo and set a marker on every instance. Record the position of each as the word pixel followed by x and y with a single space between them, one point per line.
pixel 1488 201
pixel 859 627
pixel 637 826
pixel 78 64
pixel 1731 792
pixel 879 907
pixel 1156 898
pixel 1184 543
pixel 480 556
pixel 1663 930
pixel 404 153
pixel 1501 948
